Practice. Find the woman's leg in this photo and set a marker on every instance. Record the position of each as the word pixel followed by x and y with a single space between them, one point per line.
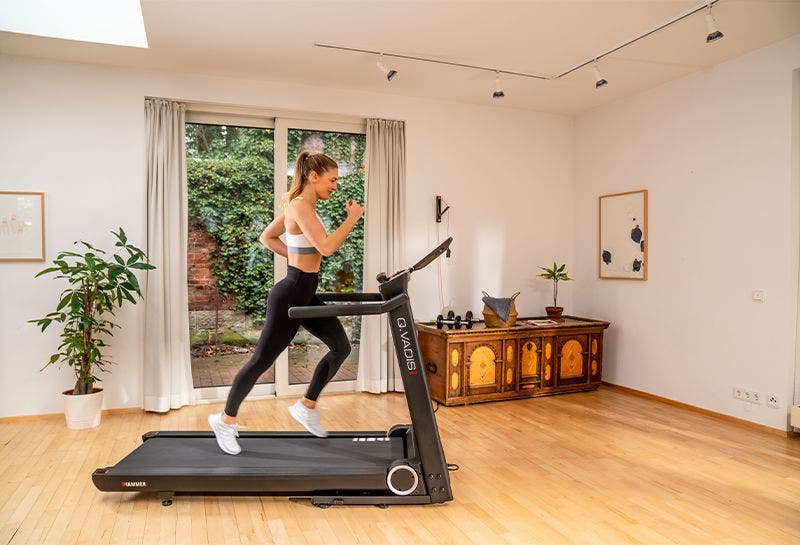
pixel 278 332
pixel 331 332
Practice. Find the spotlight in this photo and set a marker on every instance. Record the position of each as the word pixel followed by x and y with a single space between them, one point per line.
pixel 713 33
pixel 599 81
pixel 389 73
pixel 498 92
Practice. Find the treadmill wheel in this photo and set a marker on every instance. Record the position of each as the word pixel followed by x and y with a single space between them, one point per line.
pixel 166 502
pixel 402 480
pixel 323 505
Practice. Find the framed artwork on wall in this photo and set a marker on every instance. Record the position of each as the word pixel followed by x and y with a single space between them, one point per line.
pixel 21 226
pixel 623 236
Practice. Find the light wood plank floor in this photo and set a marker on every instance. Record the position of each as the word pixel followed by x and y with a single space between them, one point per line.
pixel 603 467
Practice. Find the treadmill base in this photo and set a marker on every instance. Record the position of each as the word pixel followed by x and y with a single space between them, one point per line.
pixel 380 501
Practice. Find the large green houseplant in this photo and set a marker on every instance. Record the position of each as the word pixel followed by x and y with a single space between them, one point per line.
pixel 557 273
pixel 98 284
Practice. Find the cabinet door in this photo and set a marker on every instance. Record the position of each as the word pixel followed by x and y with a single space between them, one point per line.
pixel 484 363
pixel 530 362
pixel 572 359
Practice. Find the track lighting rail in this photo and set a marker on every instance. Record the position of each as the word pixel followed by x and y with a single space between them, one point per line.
pixel 713 35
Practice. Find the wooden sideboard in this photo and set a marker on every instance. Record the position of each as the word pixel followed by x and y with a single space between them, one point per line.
pixel 487 364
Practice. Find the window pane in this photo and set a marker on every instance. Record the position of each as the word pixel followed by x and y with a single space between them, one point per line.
pixel 341 272
pixel 230 173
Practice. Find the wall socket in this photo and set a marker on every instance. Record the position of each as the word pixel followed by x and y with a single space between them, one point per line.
pixel 751 396
pixel 773 401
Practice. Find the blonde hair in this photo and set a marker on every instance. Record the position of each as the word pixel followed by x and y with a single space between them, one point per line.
pixel 307 162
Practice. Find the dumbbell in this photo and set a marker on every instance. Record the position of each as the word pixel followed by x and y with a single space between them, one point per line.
pixel 453 320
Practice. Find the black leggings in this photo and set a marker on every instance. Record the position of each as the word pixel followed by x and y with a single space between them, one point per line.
pixel 297 289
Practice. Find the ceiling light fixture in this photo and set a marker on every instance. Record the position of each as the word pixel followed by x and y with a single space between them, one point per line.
pixel 389 73
pixel 599 81
pixel 498 91
pixel 713 33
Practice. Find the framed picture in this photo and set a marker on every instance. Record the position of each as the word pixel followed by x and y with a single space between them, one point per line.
pixel 21 226
pixel 623 235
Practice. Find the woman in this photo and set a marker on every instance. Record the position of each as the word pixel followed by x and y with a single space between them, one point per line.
pixel 307 241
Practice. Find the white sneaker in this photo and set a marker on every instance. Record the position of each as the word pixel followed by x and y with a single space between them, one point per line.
pixel 308 418
pixel 226 434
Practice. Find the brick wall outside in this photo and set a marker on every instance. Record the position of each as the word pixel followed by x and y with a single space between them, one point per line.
pixel 203 291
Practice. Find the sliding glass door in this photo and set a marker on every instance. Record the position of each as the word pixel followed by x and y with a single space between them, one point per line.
pixel 238 169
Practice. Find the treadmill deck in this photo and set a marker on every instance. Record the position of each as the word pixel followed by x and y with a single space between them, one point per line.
pixel 269 462
pixel 263 454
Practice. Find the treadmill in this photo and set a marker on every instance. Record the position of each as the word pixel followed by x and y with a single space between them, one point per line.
pixel 405 465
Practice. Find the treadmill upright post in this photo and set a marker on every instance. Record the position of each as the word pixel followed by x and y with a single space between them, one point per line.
pixel 420 408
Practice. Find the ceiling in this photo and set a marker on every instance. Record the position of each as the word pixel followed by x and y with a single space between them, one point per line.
pixel 274 40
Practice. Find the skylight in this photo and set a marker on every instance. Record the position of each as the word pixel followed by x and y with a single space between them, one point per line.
pixel 113 22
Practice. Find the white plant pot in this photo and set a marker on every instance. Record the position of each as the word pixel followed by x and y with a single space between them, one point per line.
pixel 83 411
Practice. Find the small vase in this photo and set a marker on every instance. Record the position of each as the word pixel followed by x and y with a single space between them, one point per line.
pixel 82 411
pixel 554 313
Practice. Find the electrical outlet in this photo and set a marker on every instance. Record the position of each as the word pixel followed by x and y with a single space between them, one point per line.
pixel 759 296
pixel 773 401
pixel 750 396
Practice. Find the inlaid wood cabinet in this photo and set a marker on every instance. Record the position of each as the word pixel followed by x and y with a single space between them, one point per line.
pixel 486 364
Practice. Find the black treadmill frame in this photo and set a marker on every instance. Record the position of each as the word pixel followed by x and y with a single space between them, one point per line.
pixel 423 447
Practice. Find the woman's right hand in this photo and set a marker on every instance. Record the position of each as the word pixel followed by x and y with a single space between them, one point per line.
pixel 354 209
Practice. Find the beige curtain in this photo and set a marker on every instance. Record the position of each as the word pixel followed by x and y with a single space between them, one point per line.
pixel 383 247
pixel 167 366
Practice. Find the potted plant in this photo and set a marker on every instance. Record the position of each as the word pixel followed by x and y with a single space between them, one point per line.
pixel 556 273
pixel 96 287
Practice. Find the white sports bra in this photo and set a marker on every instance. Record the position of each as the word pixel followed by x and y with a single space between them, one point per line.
pixel 299 244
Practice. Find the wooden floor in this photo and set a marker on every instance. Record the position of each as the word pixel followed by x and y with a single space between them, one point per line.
pixel 588 468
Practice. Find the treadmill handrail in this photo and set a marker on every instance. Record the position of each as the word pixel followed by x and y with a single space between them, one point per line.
pixel 348 309
pixel 345 297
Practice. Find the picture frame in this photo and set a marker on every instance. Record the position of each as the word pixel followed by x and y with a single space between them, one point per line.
pixel 22 226
pixel 623 236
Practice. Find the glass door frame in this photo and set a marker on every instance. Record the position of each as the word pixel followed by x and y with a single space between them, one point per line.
pixel 282 126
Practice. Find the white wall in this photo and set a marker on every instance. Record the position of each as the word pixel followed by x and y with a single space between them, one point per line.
pixel 76 132
pixel 714 151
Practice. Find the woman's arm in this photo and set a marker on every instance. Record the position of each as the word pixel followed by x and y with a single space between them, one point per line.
pixel 325 243
pixel 269 237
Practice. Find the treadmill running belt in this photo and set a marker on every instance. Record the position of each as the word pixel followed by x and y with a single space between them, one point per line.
pixel 162 456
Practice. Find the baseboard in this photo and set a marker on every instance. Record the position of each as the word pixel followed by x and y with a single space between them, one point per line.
pixel 719 416
pixel 47 416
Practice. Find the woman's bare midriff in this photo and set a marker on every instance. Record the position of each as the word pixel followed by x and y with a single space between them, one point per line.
pixel 305 262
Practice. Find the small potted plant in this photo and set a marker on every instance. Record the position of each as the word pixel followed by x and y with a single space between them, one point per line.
pixel 556 273
pixel 96 287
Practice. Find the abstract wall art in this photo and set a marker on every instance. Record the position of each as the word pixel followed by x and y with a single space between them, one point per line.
pixel 623 236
